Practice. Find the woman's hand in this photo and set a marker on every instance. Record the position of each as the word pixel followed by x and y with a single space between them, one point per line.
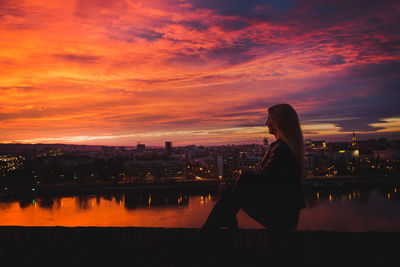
pixel 222 187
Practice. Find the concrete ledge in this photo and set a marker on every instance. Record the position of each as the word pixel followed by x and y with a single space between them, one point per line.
pixel 191 247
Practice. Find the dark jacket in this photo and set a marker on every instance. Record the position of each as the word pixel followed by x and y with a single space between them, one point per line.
pixel 280 176
pixel 273 196
pixel 277 186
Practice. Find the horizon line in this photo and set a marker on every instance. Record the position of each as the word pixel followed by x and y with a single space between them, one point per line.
pixel 222 144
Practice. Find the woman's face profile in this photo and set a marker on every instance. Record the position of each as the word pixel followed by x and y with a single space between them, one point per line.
pixel 270 127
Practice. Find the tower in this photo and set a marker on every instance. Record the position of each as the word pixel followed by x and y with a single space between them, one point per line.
pixel 353 140
pixel 220 162
pixel 265 142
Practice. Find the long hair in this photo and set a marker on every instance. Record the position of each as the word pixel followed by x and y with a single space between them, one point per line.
pixel 286 124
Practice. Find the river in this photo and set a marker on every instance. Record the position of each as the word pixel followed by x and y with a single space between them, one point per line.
pixel 366 209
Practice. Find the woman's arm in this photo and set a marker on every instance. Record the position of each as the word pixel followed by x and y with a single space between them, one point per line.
pixel 280 167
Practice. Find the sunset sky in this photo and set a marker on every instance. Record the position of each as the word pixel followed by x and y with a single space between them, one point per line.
pixel 197 71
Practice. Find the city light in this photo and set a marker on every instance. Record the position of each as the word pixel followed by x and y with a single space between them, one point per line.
pixel 125 125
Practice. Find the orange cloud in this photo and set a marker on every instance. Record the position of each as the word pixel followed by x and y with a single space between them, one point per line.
pixel 114 71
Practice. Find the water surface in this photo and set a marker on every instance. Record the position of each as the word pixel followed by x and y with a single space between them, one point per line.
pixel 374 209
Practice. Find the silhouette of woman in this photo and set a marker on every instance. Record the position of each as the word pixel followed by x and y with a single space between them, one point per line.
pixel 272 196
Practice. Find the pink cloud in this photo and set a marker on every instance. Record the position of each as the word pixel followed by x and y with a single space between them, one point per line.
pixel 147 67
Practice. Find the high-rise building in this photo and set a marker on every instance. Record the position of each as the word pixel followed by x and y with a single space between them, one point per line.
pixel 265 146
pixel 140 147
pixel 220 162
pixel 168 147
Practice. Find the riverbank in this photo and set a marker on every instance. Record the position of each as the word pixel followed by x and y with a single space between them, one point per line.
pixel 188 186
pixel 191 247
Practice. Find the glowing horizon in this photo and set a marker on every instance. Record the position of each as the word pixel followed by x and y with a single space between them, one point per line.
pixel 196 72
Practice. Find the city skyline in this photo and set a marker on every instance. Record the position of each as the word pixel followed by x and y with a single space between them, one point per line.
pixel 196 72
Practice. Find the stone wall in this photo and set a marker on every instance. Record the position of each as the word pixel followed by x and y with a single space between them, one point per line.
pixel 191 247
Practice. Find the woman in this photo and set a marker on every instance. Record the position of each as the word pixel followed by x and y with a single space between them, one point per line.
pixel 273 196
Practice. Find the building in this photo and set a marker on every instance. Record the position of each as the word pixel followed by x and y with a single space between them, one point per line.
pixel 354 140
pixel 140 147
pixel 315 162
pixel 249 162
pixel 220 162
pixel 154 169
pixel 315 145
pixel 168 148
pixel 382 155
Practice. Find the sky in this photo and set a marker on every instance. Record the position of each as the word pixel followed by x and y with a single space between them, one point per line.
pixel 196 71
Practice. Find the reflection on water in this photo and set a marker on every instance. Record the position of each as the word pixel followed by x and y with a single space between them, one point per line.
pixel 133 201
pixel 356 209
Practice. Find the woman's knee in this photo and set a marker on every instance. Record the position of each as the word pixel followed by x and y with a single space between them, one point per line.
pixel 245 178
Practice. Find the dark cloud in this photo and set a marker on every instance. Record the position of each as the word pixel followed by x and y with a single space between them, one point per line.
pixel 86 59
pixel 232 24
pixel 332 23
pixel 247 114
pixel 312 26
pixel 12 16
pixel 254 105
pixel 240 7
pixel 121 91
pixel 238 114
pixel 219 78
pixel 85 8
pixel 184 57
pixel 347 119
pixel 226 7
pixel 234 53
pixel 359 97
pixel 392 47
pixel 11 8
pixel 307 16
pixel 142 119
pixel 183 122
pixel 388 69
pixel 331 60
pixel 150 35
pixel 147 34
pixel 156 80
pixel 350 110
pixel 255 124
pixel 37 112
pixel 194 25
pixel 19 88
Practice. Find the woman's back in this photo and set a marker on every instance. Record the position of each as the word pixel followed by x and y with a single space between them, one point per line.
pixel 273 196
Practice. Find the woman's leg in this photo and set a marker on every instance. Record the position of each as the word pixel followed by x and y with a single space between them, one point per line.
pixel 224 211
pixel 272 218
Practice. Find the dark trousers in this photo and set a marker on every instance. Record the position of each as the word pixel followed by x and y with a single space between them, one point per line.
pixel 247 194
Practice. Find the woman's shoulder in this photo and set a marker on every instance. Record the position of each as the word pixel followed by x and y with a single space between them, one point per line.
pixel 280 150
pixel 279 146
